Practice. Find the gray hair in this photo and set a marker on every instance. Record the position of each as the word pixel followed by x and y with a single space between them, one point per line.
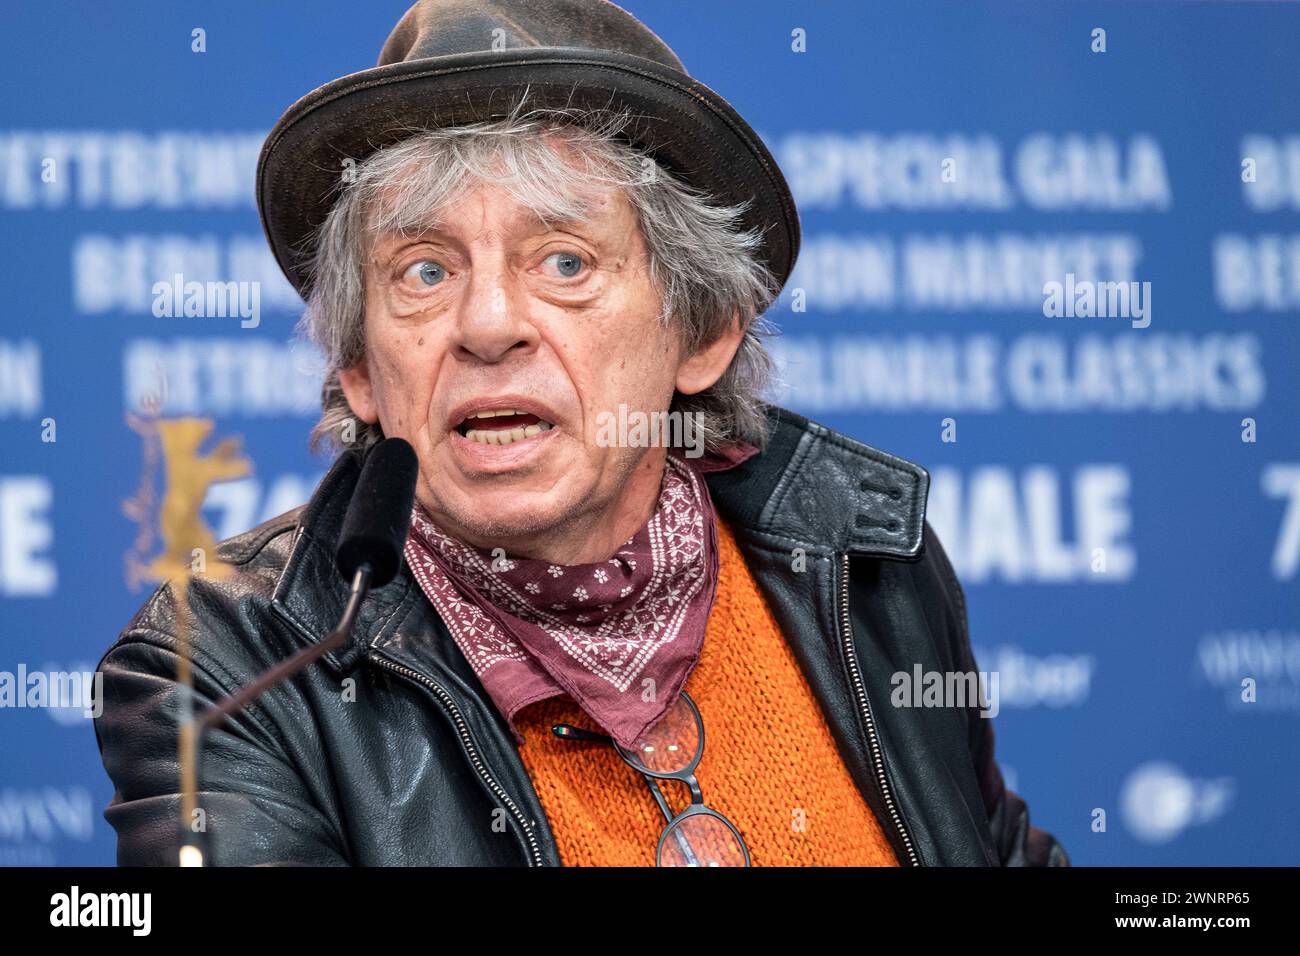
pixel 705 269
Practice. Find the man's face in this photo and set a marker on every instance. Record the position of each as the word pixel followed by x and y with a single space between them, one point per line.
pixel 492 345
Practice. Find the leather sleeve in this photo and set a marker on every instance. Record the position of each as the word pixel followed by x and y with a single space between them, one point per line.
pixel 1018 842
pixel 257 809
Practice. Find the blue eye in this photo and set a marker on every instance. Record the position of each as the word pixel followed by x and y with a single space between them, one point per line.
pixel 567 264
pixel 427 271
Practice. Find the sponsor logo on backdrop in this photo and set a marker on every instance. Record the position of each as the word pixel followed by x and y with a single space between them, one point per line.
pixel 1255 671
pixel 1010 677
pixel 1032 680
pixel 34 820
pixel 1158 802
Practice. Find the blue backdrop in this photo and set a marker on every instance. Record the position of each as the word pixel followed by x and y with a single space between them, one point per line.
pixel 1121 496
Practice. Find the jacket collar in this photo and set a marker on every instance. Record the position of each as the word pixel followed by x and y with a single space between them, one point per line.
pixel 781 494
pixel 823 491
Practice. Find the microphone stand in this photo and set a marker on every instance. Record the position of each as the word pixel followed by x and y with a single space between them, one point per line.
pixel 195 730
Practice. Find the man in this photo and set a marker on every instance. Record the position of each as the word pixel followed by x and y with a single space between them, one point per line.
pixel 538 251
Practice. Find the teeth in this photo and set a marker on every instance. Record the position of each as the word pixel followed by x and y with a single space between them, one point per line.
pixel 486 436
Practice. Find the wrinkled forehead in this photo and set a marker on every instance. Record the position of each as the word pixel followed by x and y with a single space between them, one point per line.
pixel 543 186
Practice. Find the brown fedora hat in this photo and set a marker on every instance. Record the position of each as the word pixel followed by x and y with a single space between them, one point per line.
pixel 454 62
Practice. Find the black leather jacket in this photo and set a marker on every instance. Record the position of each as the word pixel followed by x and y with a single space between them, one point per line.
pixel 391 753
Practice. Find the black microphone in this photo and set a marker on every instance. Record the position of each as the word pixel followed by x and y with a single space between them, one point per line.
pixel 379 516
pixel 369 555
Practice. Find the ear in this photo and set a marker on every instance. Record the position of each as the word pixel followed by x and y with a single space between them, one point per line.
pixel 359 391
pixel 700 370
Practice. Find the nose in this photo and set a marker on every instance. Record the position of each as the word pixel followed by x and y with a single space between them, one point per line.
pixel 492 322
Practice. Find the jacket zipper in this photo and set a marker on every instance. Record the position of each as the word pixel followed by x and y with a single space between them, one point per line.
pixel 860 690
pixel 467 741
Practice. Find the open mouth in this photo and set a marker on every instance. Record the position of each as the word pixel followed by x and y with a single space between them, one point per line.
pixel 501 426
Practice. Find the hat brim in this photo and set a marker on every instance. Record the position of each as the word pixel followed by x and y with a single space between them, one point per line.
pixel 684 125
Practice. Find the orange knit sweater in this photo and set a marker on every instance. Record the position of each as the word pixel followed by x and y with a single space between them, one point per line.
pixel 770 764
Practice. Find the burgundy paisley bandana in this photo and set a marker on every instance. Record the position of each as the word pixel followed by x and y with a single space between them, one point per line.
pixel 619 636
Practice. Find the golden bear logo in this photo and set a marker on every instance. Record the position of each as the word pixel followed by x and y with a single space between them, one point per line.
pixel 187 541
